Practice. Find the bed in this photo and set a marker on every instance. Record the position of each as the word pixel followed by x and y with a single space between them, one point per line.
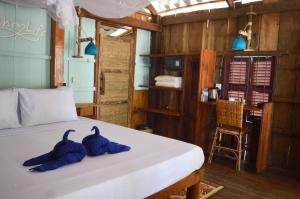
pixel 154 163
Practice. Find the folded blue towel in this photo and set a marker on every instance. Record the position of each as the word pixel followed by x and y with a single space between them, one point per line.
pixel 96 144
pixel 64 152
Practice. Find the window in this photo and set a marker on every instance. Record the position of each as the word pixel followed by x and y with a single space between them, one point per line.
pixel 250 78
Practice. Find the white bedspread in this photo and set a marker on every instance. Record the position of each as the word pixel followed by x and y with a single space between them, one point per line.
pixel 152 164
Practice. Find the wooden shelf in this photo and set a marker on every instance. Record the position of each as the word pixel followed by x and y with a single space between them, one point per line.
pixel 171 54
pixel 160 111
pixel 165 88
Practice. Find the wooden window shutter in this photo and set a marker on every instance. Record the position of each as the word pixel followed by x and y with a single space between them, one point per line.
pixel 235 75
pixel 261 85
pixel 249 77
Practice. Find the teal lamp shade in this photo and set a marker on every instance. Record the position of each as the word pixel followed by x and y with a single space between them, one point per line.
pixel 239 43
pixel 91 49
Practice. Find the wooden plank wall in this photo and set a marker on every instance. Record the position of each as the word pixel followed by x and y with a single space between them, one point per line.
pixel 271 32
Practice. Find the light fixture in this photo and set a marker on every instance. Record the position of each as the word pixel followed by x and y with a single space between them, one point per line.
pixel 239 43
pixel 250 1
pixel 90 49
pixel 118 32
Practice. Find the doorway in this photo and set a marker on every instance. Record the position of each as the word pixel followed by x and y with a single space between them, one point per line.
pixel 115 55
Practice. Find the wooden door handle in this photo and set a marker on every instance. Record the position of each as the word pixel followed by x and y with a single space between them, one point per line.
pixel 102 84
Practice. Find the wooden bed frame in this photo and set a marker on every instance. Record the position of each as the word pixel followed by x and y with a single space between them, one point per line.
pixel 191 182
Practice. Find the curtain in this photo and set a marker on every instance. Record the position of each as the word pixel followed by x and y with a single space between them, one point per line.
pixel 64 11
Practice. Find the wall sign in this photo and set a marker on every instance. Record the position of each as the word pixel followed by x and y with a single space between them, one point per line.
pixel 20 30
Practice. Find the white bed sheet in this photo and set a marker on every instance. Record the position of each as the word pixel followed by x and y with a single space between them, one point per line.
pixel 152 164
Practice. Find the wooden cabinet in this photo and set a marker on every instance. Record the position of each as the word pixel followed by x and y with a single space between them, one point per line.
pixel 172 112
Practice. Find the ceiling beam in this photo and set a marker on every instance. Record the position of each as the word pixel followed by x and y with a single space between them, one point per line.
pixel 224 13
pixel 152 9
pixel 230 3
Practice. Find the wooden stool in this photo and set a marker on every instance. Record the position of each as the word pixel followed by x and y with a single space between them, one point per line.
pixel 230 122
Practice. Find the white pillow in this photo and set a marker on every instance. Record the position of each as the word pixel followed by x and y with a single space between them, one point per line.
pixel 44 106
pixel 9 109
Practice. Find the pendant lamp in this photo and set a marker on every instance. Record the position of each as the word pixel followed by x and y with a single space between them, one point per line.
pixel 239 43
pixel 91 49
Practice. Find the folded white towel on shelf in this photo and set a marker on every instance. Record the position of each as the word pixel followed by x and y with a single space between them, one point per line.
pixel 168 84
pixel 168 78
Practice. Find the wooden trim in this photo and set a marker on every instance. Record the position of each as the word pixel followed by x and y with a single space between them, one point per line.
pixel 57 53
pixel 131 74
pixel 97 69
pixel 127 21
pixel 190 182
pixel 241 10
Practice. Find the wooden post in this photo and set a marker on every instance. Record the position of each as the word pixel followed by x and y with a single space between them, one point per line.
pixel 131 75
pixel 97 70
pixel 78 38
pixel 57 55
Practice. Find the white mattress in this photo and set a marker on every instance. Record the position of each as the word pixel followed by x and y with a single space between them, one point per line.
pixel 152 164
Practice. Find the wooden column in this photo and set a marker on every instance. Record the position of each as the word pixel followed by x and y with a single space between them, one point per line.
pixel 57 55
pixel 206 80
pixel 97 69
pixel 131 76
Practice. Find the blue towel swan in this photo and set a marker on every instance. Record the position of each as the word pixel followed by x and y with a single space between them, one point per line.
pixel 96 144
pixel 64 152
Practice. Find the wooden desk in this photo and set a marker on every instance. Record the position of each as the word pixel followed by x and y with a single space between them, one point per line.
pixel 205 125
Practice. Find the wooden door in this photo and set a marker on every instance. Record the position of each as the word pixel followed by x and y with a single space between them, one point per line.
pixel 114 82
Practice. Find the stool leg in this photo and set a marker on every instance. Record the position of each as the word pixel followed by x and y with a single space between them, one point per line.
pixel 239 158
pixel 219 138
pixel 213 146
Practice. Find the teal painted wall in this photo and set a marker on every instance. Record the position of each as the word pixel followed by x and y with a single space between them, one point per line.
pixel 24 47
pixel 79 72
pixel 142 64
pixel 25 37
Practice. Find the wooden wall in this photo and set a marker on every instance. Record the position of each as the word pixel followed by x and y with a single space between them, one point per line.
pixel 139 100
pixel 277 31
